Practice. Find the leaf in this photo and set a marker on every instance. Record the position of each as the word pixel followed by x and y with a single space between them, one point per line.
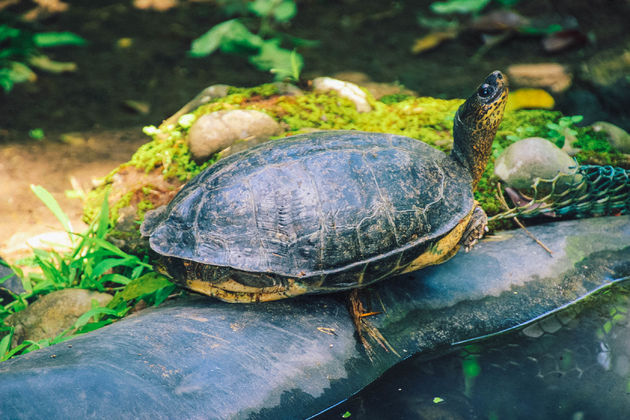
pixel 149 283
pixel 432 40
pixel 57 39
pixel 85 318
pixel 285 11
pixel 52 205
pixel 5 344
pixel 529 98
pixel 162 294
pixel 14 73
pixel 93 326
pixel 280 10
pixel 107 264
pixel 7 32
pixel 459 6
pixel 103 218
pixel 36 133
pixel 230 36
pixel 280 61
pixel 115 278
pixel 262 8
pixel 42 62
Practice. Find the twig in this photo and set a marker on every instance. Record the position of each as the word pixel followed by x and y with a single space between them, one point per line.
pixel 518 222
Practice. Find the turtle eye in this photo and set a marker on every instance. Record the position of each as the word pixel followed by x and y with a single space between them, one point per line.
pixel 485 90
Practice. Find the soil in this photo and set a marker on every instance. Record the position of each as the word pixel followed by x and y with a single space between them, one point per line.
pixel 372 37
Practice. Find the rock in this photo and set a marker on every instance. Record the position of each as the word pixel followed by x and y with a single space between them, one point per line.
pixel 344 89
pixel 618 138
pixel 53 313
pixel 202 98
pixel 197 357
pixel 9 282
pixel 526 160
pixel 287 89
pixel 607 67
pixel 214 132
pixel 376 89
pixel 552 76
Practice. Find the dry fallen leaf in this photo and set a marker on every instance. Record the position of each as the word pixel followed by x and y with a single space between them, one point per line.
pixel 559 41
pixel 45 8
pixel 432 40
pixel 499 21
pixel 529 98
pixel 45 63
pixel 159 5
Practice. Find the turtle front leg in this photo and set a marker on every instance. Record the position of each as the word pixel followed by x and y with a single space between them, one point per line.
pixel 477 227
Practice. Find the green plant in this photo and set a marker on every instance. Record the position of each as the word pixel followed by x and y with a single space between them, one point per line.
pixel 564 128
pixel 92 263
pixel 465 6
pixel 20 50
pixel 263 48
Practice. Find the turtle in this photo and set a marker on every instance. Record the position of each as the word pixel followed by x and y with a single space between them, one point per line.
pixel 328 211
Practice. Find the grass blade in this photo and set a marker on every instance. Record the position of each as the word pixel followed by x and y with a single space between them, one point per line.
pixel 52 204
pixel 103 219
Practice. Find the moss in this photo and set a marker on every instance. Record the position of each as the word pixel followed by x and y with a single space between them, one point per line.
pixel 143 207
pixel 427 119
pixel 169 151
pixel 394 98
pixel 121 203
pixel 94 200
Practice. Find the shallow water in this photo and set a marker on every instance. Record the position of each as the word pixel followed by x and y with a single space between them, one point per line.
pixel 572 365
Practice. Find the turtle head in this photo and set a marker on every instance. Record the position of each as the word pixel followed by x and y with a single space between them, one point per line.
pixel 476 123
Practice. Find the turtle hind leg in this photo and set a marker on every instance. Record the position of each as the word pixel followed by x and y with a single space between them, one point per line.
pixel 477 227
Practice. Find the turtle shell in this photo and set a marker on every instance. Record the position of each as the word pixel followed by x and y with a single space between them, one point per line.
pixel 326 211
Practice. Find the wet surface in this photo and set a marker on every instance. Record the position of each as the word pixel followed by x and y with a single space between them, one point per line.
pixel 570 366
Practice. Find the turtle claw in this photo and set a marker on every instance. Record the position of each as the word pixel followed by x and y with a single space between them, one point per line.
pixel 477 227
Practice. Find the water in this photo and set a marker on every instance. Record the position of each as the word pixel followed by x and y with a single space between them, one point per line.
pixel 573 365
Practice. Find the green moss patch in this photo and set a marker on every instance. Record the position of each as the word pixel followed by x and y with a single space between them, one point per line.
pixel 426 119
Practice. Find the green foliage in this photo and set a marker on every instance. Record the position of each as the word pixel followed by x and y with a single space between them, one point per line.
pixel 459 6
pixel 279 10
pixel 57 39
pixel 92 263
pixel 266 54
pixel 36 133
pixel 19 51
pixel 231 37
pixel 564 127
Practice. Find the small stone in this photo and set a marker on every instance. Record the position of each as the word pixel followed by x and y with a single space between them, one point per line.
pixel 618 138
pixel 53 313
pixel 202 98
pixel 288 89
pixel 607 67
pixel 344 89
pixel 214 132
pixel 552 76
pixel 376 89
pixel 526 160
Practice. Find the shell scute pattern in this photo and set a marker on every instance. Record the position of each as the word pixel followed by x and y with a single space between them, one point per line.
pixel 309 205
